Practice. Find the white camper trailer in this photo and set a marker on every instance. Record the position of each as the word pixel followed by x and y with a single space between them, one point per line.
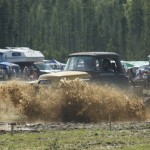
pixel 23 56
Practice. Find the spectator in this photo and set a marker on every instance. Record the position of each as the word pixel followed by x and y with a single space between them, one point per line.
pixel 35 75
pixel 139 75
pixel 13 71
pixel 26 73
pixel 2 72
pixel 145 79
pixel 8 70
pixel 131 74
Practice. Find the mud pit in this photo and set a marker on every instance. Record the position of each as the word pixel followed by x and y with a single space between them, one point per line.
pixel 70 101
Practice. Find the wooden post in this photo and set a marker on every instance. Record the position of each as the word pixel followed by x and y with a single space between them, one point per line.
pixel 12 128
pixel 109 121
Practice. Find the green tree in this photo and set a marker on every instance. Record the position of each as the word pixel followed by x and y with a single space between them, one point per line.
pixel 136 26
pixel 146 45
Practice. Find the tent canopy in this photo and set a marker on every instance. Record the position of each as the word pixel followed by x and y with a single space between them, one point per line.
pixel 137 64
pixel 55 62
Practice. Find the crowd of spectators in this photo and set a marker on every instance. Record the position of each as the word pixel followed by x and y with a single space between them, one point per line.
pixel 29 74
pixel 26 74
pixel 139 76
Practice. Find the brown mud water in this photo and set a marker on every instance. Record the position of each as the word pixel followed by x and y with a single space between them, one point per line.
pixel 70 101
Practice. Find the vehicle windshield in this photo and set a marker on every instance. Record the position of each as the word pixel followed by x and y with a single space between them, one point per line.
pixel 91 63
pixel 43 66
pixel 82 63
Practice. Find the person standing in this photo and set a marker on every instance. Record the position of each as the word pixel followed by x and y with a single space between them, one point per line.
pixel 26 73
pixel 35 75
pixel 131 75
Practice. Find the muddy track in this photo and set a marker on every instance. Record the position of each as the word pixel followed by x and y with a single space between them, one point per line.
pixel 5 127
pixel 38 127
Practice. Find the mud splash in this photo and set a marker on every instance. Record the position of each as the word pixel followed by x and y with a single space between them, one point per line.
pixel 74 101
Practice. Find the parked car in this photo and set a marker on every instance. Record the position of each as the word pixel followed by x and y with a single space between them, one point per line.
pixel 42 68
pixel 9 70
pixel 32 71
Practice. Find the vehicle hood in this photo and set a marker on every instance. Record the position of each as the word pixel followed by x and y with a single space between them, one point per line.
pixel 57 76
pixel 8 64
pixel 64 74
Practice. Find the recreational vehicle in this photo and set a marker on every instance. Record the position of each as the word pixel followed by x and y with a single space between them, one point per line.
pixel 23 56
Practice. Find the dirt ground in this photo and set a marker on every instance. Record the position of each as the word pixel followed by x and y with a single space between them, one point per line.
pixel 17 127
pixel 36 127
pixel 6 127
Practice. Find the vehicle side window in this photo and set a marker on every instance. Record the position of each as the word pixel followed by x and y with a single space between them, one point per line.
pixel 110 65
pixel 16 54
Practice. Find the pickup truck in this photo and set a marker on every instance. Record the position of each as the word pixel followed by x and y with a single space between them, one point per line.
pixel 98 67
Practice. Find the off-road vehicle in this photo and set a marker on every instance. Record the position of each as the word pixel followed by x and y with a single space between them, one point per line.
pixel 98 67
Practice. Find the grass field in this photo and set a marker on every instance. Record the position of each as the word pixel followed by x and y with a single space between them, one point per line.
pixel 98 137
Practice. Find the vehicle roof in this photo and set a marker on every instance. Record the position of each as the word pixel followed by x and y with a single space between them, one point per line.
pixel 8 64
pixel 94 54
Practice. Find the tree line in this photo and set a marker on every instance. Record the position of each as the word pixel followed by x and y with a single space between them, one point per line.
pixel 60 27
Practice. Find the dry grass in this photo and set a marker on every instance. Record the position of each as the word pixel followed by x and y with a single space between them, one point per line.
pixel 91 103
pixel 69 101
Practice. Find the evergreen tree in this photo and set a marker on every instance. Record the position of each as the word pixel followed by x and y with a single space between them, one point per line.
pixel 136 25
pixel 146 45
pixel 57 27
